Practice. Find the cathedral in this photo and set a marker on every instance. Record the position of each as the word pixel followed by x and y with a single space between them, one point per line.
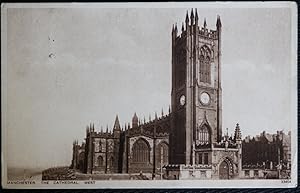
pixel 184 143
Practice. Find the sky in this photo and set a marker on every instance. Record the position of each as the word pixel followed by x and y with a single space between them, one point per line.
pixel 69 67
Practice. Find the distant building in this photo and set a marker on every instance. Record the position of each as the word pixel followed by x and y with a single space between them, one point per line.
pixel 268 152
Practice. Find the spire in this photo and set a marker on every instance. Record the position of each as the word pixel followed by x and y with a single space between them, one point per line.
pixel 218 24
pixel 162 112
pixel 204 23
pixel 176 28
pixel 93 127
pixel 155 115
pixel 135 120
pixel 192 17
pixel 182 27
pixel 196 15
pixel 117 124
pixel 106 128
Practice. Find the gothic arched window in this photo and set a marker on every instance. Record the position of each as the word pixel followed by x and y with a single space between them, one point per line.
pixel 207 70
pixel 203 134
pixel 141 151
pixel 163 154
pixel 100 160
pixel 204 61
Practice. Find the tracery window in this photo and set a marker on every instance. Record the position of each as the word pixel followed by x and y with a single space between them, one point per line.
pixel 204 61
pixel 203 135
pixel 207 70
pixel 141 151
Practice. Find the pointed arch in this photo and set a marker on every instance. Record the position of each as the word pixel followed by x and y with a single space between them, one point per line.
pixel 205 64
pixel 141 151
pixel 203 135
pixel 226 168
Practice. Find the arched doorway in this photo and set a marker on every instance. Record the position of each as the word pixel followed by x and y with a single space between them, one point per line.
pixel 224 170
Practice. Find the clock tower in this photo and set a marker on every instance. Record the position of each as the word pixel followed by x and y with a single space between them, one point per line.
pixel 196 97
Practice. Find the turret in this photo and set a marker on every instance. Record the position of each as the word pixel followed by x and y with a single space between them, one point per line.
pixel 117 124
pixel 187 20
pixel 135 121
pixel 196 17
pixel 173 33
pixel 218 24
pixel 192 17
pixel 176 30
pixel 238 140
pixel 237 134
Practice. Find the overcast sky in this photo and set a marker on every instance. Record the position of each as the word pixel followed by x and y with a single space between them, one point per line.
pixel 69 67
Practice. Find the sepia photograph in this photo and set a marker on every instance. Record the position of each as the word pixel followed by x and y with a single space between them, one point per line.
pixel 143 95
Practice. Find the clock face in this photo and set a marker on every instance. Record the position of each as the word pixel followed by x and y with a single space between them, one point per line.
pixel 182 100
pixel 204 98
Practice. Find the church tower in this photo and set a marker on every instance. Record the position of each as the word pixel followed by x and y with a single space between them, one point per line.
pixel 196 96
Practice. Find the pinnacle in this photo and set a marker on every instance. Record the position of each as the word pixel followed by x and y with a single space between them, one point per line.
pixel 117 124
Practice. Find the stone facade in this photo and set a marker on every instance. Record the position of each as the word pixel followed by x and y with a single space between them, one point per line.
pixel 196 99
pixel 142 147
